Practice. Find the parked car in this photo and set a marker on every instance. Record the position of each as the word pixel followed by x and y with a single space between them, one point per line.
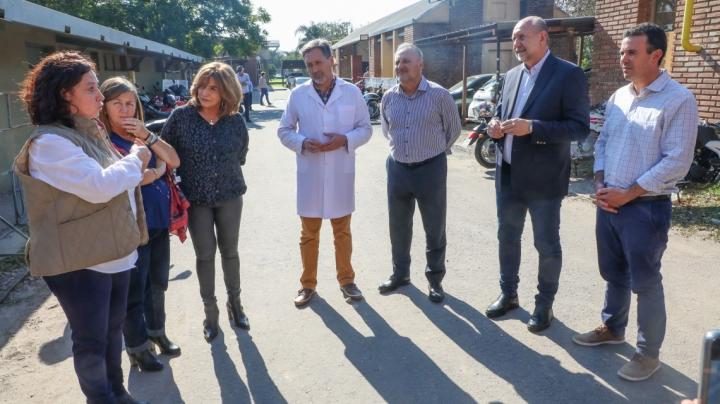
pixel 484 98
pixel 301 80
pixel 473 83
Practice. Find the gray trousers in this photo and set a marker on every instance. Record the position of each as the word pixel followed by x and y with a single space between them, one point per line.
pixel 204 221
pixel 425 184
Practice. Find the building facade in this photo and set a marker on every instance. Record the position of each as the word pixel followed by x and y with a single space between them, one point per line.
pixel 698 71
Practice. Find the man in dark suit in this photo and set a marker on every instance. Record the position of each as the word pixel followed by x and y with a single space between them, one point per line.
pixel 543 107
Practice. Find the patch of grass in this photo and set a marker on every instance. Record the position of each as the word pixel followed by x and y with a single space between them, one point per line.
pixel 698 210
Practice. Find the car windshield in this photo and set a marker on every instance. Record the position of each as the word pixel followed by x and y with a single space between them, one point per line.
pixel 458 86
pixel 301 80
pixel 489 85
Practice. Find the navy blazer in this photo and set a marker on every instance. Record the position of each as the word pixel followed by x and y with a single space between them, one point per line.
pixel 559 107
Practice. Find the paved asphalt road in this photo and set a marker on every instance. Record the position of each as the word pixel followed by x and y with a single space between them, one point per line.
pixel 399 348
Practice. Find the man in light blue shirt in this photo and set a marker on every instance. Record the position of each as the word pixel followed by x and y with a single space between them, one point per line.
pixel 645 147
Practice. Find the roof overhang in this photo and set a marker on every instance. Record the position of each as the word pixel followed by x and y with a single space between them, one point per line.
pixel 82 31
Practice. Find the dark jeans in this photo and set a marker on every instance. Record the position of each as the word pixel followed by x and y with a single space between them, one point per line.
pixel 94 304
pixel 264 93
pixel 146 298
pixel 630 247
pixel 545 218
pixel 426 184
pixel 247 104
pixel 203 222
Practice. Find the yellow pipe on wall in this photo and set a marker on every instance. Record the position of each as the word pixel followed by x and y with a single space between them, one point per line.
pixel 687 24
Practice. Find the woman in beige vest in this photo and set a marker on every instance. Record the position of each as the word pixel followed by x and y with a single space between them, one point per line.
pixel 85 214
pixel 122 115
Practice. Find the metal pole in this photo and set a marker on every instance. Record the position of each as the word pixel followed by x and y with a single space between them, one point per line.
pixel 464 75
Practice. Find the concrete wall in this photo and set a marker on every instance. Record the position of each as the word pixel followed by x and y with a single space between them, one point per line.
pixel 23 46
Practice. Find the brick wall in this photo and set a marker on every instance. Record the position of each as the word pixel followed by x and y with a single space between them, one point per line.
pixel 700 72
pixel 613 18
pixel 541 8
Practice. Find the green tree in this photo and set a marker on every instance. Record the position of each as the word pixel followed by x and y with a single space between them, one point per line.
pixel 206 28
pixel 580 8
pixel 332 31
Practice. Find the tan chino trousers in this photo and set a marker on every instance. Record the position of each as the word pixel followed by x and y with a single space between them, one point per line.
pixel 309 249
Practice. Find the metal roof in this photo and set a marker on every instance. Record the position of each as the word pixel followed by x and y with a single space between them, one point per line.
pixel 502 31
pixel 400 18
pixel 24 12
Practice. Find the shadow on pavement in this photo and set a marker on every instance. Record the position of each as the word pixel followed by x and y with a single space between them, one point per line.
pixel 58 349
pixel 541 378
pixel 155 387
pixel 261 385
pixel 396 368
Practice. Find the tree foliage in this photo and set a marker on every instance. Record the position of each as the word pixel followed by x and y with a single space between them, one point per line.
pixel 332 31
pixel 206 28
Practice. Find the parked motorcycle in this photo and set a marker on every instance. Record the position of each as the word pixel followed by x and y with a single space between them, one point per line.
pixel 149 110
pixel 373 100
pixel 705 168
pixel 485 147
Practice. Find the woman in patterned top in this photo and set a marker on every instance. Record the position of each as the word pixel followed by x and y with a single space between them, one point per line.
pixel 145 321
pixel 212 141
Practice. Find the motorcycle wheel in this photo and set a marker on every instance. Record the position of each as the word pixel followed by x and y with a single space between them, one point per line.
pixel 374 110
pixel 485 152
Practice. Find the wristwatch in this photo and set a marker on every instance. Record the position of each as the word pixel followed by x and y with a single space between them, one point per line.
pixel 530 125
pixel 151 139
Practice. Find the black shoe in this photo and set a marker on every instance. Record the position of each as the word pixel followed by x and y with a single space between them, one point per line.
pixel 502 305
pixel 237 315
pixel 210 330
pixel 393 283
pixel 125 398
pixel 540 319
pixel 166 346
pixel 436 294
pixel 146 361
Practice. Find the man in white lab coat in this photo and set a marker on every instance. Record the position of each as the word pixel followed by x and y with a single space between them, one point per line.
pixel 325 120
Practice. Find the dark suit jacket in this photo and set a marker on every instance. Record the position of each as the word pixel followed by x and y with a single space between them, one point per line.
pixel 559 107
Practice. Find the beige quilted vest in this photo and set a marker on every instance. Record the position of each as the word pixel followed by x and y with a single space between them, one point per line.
pixel 68 233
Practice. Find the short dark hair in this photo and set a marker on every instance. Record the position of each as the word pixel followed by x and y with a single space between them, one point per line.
pixel 656 37
pixel 43 88
pixel 321 44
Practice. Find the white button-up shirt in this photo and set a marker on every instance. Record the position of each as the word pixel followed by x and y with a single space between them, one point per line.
pixel 648 137
pixel 526 86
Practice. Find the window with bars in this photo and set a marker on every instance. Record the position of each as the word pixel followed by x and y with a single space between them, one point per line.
pixel 664 14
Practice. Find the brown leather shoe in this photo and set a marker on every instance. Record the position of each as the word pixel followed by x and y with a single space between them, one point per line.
pixel 599 336
pixel 351 291
pixel 304 296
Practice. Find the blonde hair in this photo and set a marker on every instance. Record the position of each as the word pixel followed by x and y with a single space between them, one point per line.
pixel 228 84
pixel 113 88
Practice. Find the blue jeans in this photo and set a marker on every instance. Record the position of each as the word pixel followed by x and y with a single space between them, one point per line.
pixel 425 184
pixel 146 298
pixel 545 218
pixel 94 304
pixel 630 247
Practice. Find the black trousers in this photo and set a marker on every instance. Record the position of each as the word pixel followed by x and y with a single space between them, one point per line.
pixel 204 221
pixel 425 184
pixel 247 104
pixel 95 304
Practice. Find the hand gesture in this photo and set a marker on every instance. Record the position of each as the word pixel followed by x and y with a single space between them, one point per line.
pixel 135 127
pixel 143 153
pixel 494 130
pixel 336 141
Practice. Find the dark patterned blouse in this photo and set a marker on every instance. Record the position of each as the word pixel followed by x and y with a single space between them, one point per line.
pixel 211 155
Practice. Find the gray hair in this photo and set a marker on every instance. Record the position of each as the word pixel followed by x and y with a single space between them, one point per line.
pixel 536 22
pixel 321 44
pixel 408 46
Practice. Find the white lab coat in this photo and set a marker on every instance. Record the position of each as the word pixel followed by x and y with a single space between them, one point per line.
pixel 325 180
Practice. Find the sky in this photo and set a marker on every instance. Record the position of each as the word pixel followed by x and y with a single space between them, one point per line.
pixel 287 15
